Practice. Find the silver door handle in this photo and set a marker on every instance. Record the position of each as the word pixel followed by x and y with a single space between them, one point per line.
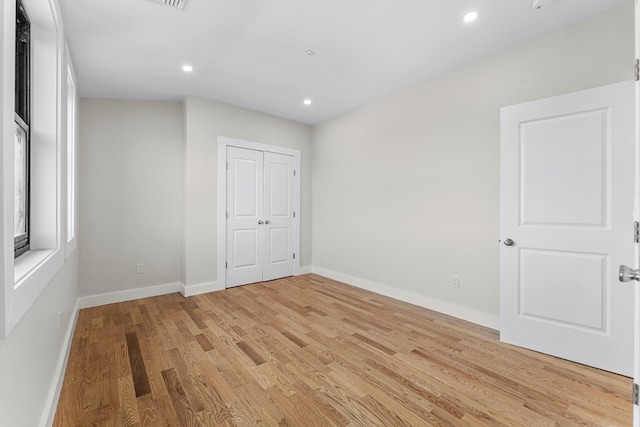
pixel 508 242
pixel 260 222
pixel 267 222
pixel 627 274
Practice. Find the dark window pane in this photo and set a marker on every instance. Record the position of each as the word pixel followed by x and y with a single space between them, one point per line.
pixel 23 63
pixel 22 137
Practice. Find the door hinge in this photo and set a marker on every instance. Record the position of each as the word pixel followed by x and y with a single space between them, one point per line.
pixel 635 395
pixel 227 165
pixel 227 215
pixel 294 256
pixel 294 214
pixel 225 265
pixel 637 69
pixel 636 231
pixel 294 172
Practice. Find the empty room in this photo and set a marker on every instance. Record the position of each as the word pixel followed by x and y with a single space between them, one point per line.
pixel 320 213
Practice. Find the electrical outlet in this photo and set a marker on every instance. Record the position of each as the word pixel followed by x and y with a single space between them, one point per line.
pixel 455 281
pixel 139 268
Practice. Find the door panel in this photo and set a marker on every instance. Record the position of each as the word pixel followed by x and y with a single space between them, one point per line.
pixel 245 245
pixel 577 277
pixel 567 201
pixel 278 246
pixel 246 185
pixel 564 170
pixel 279 232
pixel 245 210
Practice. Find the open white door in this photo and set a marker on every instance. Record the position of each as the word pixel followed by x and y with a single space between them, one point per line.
pixel 567 189
pixel 631 276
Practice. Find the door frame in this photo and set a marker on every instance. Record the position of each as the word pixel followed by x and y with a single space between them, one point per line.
pixel 223 143
pixel 636 376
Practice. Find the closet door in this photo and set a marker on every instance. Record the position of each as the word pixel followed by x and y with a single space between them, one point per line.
pixel 260 216
pixel 278 250
pixel 245 175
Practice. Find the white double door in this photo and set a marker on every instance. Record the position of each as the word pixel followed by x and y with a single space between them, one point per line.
pixel 568 184
pixel 260 216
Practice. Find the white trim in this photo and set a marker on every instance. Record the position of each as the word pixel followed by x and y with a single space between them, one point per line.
pixel 7 114
pixel 200 288
pixel 452 309
pixel 223 143
pixel 51 403
pixel 636 372
pixel 129 295
pixel 71 168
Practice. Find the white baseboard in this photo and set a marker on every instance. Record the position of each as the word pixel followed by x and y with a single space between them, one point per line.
pixel 129 295
pixel 54 394
pixel 452 309
pixel 200 288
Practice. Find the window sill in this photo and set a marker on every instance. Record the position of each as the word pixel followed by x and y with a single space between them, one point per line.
pixel 25 265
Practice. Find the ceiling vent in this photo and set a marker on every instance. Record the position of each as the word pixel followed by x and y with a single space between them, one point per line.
pixel 178 4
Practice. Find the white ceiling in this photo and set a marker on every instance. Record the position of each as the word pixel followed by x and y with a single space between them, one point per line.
pixel 251 53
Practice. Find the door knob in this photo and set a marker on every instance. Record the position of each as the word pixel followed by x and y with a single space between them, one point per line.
pixel 508 242
pixel 267 222
pixel 627 274
pixel 260 222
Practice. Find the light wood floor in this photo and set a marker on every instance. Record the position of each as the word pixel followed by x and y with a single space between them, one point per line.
pixel 309 351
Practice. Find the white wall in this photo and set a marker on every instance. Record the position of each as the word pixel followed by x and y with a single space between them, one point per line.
pixel 405 190
pixel 205 120
pixel 31 357
pixel 130 195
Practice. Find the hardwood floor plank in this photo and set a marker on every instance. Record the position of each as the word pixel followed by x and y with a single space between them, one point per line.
pixel 296 410
pixel 138 370
pixel 129 415
pixel 374 344
pixel 204 342
pixel 328 410
pixel 310 351
pixel 185 376
pixel 297 341
pixel 251 353
pixel 179 399
pixel 214 404
pixel 147 411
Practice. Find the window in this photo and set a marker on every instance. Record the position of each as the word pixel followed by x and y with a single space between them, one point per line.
pixel 22 155
pixel 37 117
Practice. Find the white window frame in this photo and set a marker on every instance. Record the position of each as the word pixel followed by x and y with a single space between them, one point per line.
pixel 71 156
pixel 23 279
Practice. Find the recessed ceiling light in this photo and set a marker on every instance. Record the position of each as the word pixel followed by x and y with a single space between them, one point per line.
pixel 307 102
pixel 470 17
pixel 187 68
